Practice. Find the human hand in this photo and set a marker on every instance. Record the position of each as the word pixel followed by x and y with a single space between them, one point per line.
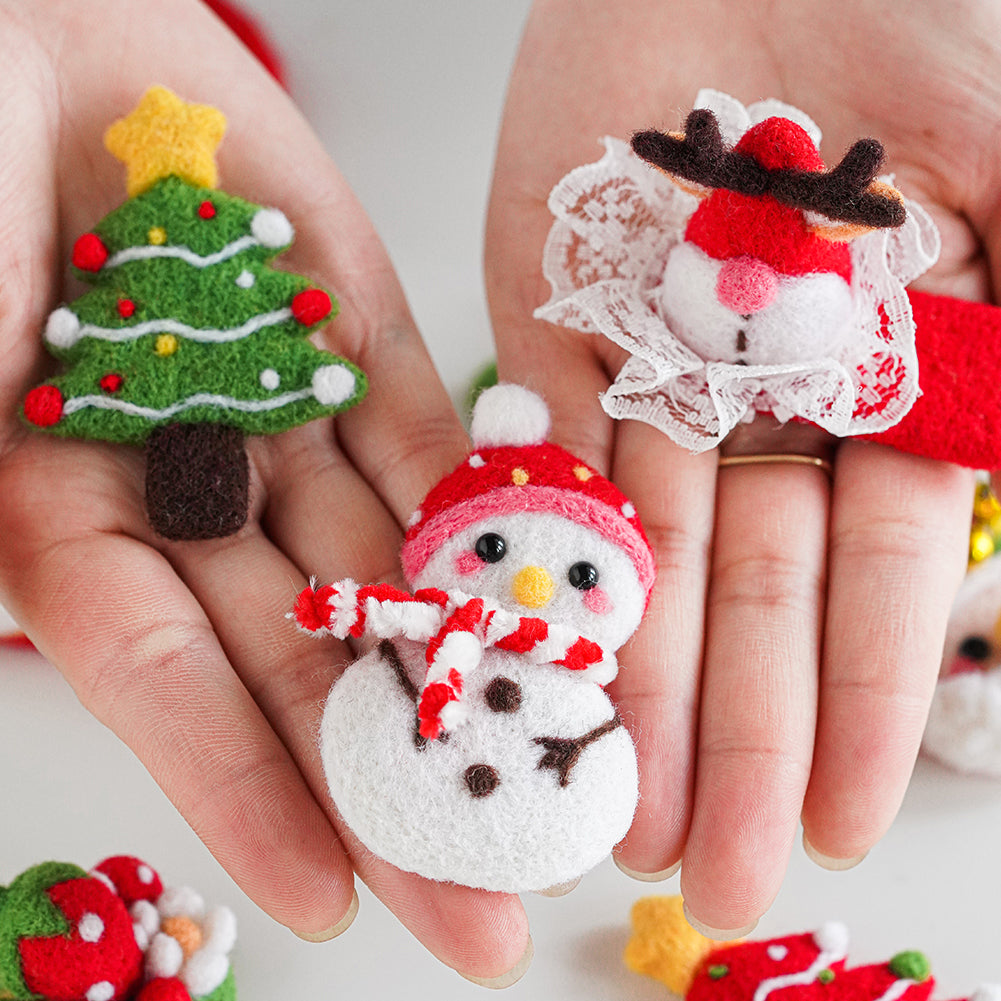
pixel 183 648
pixel 789 654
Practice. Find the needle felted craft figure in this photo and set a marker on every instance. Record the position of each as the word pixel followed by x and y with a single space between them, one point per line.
pixel 189 340
pixel 475 743
pixel 806 967
pixel 964 722
pixel 113 934
pixel 743 277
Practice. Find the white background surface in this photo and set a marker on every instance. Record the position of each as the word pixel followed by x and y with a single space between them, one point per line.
pixel 407 97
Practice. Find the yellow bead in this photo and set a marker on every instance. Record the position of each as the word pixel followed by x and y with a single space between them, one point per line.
pixel 519 477
pixel 157 236
pixel 166 345
pixel 582 473
pixel 981 546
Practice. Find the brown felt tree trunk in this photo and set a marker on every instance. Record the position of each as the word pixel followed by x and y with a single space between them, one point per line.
pixel 197 481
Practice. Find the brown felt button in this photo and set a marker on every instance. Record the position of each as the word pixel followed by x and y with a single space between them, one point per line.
pixel 503 695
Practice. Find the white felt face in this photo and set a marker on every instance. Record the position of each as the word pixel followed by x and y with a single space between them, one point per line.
pixel 742 311
pixel 547 566
pixel 964 725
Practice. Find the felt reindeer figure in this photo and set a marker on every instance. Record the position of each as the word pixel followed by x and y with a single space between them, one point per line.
pixel 763 275
pixel 743 277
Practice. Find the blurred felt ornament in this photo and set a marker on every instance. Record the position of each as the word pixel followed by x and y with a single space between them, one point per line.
pixel 803 967
pixel 475 743
pixel 964 721
pixel 189 340
pixel 70 935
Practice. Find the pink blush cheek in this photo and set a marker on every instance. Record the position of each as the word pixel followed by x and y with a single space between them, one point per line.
pixel 596 600
pixel 468 563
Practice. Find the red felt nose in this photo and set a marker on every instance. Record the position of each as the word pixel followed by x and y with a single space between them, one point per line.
pixel 746 285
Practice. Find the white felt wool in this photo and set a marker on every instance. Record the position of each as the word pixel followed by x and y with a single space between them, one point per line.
pixel 806 318
pixel 509 415
pixel 964 723
pixel 271 228
pixel 480 808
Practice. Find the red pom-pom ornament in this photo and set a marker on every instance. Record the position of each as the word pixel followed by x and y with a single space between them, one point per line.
pixel 43 406
pixel 164 989
pixel 206 210
pixel 89 253
pixel 310 306
pixel 132 878
pixel 111 383
pixel 126 307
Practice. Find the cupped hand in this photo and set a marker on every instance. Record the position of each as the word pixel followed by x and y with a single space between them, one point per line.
pixel 183 648
pixel 789 655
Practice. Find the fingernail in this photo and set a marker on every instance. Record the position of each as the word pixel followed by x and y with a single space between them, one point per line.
pixel 560 889
pixel 506 979
pixel 648 877
pixel 342 926
pixel 720 934
pixel 827 862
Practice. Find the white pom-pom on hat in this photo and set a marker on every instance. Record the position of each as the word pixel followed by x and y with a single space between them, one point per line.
pixel 271 228
pixel 62 329
pixel 507 414
pixel 832 936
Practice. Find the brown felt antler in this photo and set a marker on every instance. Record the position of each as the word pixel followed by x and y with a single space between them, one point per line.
pixel 841 193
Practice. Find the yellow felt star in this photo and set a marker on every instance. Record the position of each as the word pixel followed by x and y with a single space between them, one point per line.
pixel 664 945
pixel 164 135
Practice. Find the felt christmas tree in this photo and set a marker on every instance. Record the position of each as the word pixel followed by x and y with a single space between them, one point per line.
pixel 189 340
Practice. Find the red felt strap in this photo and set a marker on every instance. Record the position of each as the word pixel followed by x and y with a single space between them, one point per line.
pixel 252 35
pixel 958 416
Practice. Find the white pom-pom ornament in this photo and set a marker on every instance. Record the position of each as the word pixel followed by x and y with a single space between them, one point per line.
pixel 509 415
pixel 832 936
pixel 62 329
pixel 271 228
pixel 333 384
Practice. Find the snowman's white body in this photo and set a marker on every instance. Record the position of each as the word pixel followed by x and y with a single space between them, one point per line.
pixel 409 802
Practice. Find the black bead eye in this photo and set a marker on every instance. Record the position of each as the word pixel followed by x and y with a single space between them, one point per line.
pixel 975 648
pixel 583 576
pixel 490 547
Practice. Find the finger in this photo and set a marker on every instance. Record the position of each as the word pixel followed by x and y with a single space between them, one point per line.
pixel 658 682
pixel 27 213
pixel 142 656
pixel 289 675
pixel 320 511
pixel 759 688
pixel 899 535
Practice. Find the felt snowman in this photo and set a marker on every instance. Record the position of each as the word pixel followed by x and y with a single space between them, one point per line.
pixel 475 742
pixel 964 722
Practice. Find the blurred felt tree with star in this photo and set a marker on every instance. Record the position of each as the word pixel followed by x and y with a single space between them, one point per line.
pixel 189 340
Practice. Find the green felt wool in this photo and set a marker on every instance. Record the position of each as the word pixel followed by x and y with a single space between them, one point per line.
pixel 911 965
pixel 259 382
pixel 27 912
